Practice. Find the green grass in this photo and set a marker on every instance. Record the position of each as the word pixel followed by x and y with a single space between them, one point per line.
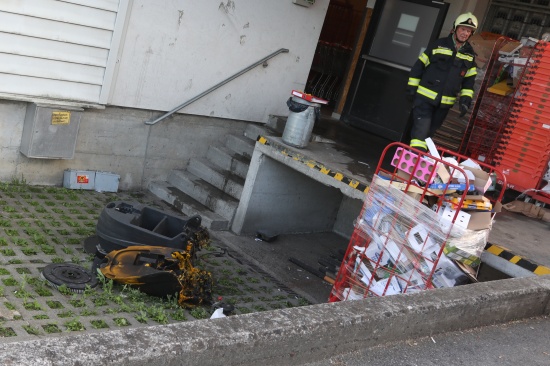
pixel 53 223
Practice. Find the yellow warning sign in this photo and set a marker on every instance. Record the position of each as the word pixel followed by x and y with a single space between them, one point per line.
pixel 61 118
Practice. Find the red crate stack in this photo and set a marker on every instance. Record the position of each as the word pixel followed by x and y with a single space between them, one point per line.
pixel 484 132
pixel 524 151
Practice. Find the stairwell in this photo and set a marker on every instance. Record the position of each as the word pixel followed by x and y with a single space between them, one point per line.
pixel 212 186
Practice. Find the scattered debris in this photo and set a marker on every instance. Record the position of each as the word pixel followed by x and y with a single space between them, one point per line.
pixel 319 273
pixel 159 271
pixel 266 236
pixel 74 277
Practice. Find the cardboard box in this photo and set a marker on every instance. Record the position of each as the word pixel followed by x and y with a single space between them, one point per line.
pixel 483 48
pixel 510 48
pixel 501 88
pixel 419 238
pixel 482 179
pixel 473 220
pixel 459 178
pixel 447 214
pixel 475 203
pixel 480 221
pixel 452 187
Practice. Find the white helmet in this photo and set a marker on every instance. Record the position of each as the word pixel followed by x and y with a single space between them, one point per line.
pixel 466 20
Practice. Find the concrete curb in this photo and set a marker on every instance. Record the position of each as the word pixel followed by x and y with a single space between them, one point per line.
pixel 294 336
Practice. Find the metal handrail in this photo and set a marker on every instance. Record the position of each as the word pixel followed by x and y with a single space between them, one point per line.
pixel 263 60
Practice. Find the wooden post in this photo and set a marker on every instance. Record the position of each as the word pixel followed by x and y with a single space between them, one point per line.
pixel 354 60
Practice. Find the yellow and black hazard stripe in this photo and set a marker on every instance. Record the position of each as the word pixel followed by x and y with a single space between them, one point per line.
pixel 517 260
pixel 314 165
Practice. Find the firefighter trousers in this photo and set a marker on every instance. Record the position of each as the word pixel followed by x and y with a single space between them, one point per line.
pixel 427 118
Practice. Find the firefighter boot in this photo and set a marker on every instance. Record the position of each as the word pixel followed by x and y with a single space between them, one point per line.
pixel 419 133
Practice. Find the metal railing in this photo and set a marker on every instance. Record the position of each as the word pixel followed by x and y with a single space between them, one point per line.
pixel 234 76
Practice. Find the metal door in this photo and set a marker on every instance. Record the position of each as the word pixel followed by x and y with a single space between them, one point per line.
pixel 399 32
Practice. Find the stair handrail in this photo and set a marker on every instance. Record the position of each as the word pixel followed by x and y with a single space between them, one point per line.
pixel 234 76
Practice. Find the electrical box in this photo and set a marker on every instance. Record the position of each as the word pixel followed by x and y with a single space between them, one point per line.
pixel 50 131
pixel 106 182
pixel 79 179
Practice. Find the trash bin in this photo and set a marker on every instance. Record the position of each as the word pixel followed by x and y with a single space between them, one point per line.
pixel 300 122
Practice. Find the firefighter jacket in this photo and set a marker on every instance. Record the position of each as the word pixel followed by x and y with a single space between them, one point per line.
pixel 442 73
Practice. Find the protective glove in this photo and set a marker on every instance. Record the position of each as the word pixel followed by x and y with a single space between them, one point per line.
pixel 464 105
pixel 463 109
pixel 410 93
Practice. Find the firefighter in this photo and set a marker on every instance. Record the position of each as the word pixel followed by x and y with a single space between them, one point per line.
pixel 444 73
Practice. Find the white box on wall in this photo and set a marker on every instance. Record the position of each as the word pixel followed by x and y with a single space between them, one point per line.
pixel 50 132
pixel 79 179
pixel 106 182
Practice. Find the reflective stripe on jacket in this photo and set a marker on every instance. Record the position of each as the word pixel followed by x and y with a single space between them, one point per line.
pixel 441 73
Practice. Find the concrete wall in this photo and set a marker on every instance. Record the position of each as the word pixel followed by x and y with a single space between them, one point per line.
pixel 299 335
pixel 169 53
pixel 114 140
pixel 349 210
pixel 279 198
pixel 282 200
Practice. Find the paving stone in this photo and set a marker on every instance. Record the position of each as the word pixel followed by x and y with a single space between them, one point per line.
pixel 43 225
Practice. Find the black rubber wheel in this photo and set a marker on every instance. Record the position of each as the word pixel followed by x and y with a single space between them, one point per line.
pixel 74 277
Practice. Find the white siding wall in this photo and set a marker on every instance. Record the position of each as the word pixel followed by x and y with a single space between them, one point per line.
pixel 175 50
pixel 57 49
pixel 172 51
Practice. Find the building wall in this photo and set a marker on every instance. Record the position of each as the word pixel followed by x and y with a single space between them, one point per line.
pixel 59 49
pixel 114 140
pixel 175 50
pixel 457 7
pixel 163 54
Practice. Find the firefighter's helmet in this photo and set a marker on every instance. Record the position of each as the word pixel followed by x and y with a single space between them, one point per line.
pixel 466 20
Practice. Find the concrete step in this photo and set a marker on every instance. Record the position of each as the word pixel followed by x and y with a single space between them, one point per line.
pixel 241 145
pixel 202 191
pixel 188 206
pixel 254 130
pixel 277 123
pixel 222 179
pixel 228 160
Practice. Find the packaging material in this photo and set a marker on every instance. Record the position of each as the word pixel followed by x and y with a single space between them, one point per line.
pixel 461 220
pixel 511 48
pixel 483 48
pixel 440 169
pixel 528 42
pixel 406 161
pixel 448 274
pixel 482 179
pixel 501 88
pixel 473 203
pixel 405 245
pixel 401 212
pixel 419 238
pixel 467 249
pixel 459 178
pixel 79 179
pixel 528 209
pixel 432 148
